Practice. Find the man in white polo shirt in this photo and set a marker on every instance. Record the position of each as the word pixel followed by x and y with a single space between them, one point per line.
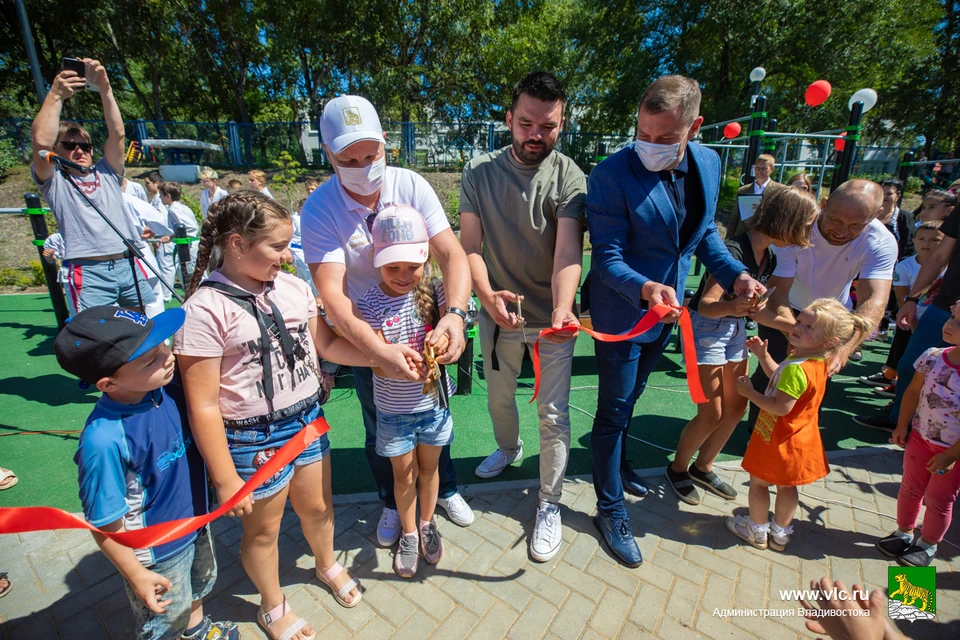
pixel 335 232
pixel 847 242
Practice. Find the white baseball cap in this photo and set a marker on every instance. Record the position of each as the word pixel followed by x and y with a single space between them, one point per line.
pixel 349 119
pixel 400 235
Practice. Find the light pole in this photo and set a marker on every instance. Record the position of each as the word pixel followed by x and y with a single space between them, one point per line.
pixel 38 83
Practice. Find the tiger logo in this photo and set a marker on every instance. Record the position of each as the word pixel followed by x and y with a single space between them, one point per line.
pixel 911 593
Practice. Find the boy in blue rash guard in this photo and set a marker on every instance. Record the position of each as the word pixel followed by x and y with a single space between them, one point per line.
pixel 139 466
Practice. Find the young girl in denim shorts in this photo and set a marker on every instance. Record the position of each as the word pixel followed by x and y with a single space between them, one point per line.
pixel 248 355
pixel 413 421
pixel 784 217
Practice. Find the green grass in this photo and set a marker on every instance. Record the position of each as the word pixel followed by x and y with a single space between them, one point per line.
pixel 35 394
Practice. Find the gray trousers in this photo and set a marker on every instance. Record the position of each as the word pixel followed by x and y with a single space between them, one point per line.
pixel 556 362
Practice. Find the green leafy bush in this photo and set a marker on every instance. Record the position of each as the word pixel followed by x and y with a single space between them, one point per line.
pixel 9 156
pixel 23 277
pixel 194 205
pixel 453 208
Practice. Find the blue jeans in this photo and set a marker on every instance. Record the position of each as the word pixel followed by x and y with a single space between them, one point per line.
pixel 623 369
pixel 929 333
pixel 192 573
pixel 380 466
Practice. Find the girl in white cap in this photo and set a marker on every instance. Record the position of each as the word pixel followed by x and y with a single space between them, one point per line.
pixel 413 418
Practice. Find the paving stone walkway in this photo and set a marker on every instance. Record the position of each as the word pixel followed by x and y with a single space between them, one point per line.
pixel 487 587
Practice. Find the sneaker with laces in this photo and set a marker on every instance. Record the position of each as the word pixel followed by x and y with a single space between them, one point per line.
pixel 889 391
pixel 547 533
pixel 779 536
pixel 876 380
pixel 457 510
pixel 406 560
pixel 431 545
pixel 497 461
pixel 388 529
pixel 747 531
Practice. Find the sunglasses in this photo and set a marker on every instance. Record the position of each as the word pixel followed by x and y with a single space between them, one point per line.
pixel 86 147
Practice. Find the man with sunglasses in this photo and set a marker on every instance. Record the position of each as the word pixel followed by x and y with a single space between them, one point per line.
pixel 98 272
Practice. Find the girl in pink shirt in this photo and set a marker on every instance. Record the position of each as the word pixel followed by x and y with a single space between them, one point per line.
pixel 248 356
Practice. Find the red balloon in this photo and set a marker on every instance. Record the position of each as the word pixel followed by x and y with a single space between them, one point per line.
pixel 817 93
pixel 732 130
pixel 840 143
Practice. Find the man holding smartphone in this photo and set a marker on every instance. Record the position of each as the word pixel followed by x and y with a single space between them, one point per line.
pixel 98 272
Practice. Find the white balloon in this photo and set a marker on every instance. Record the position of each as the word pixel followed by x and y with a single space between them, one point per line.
pixel 867 96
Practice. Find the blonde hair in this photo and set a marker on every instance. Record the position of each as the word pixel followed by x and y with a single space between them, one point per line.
pixel 209 174
pixel 259 175
pixel 425 293
pixel 68 128
pixel 766 157
pixel 786 215
pixel 835 322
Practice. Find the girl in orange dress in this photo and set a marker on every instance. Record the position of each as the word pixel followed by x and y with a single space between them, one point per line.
pixel 785 449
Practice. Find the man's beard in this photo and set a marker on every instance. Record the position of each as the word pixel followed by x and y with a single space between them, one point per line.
pixel 527 155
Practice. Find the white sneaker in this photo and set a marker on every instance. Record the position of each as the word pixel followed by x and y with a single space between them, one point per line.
pixel 497 461
pixel 751 533
pixel 457 510
pixel 388 529
pixel 547 535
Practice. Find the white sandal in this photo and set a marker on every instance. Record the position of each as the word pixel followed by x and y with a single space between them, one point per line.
pixel 340 595
pixel 4 474
pixel 265 619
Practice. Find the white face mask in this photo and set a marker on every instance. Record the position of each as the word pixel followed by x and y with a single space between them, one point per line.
pixel 656 157
pixel 363 180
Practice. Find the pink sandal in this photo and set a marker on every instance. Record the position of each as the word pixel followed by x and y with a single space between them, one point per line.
pixel 268 618
pixel 340 595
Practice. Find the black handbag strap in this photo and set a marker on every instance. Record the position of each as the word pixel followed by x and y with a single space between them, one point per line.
pixel 248 302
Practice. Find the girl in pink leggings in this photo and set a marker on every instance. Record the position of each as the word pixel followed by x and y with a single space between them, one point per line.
pixel 930 473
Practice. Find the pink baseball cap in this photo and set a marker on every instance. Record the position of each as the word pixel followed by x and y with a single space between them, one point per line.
pixel 400 235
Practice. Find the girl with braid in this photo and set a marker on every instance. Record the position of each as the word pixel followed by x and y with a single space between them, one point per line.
pixel 248 356
pixel 413 421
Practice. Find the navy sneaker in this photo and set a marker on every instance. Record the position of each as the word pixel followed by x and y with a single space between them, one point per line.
pixel 618 535
pixel 632 483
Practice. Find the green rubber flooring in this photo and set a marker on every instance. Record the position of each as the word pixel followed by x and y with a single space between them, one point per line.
pixel 36 395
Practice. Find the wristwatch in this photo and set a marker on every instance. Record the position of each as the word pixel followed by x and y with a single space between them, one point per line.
pixel 458 312
pixel 913 299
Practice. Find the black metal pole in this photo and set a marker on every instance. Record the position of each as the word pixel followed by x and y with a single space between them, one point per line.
pixel 904 173
pixel 465 369
pixel 770 144
pixel 755 133
pixel 183 254
pixel 50 272
pixel 842 172
pixel 38 83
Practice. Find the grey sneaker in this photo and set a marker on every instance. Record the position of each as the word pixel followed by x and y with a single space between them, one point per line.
pixel 406 559
pixel 431 544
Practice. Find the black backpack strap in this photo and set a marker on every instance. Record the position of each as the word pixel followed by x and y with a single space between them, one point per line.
pixel 247 301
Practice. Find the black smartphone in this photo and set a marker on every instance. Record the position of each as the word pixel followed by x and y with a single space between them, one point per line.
pixel 73 64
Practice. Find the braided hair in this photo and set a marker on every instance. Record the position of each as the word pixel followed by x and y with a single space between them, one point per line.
pixel 248 213
pixel 425 294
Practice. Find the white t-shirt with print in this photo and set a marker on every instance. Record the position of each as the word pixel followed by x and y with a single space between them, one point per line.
pixel 334 229
pixel 905 273
pixel 823 270
pixel 398 320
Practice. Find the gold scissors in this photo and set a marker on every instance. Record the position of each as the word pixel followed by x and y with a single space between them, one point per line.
pixel 521 321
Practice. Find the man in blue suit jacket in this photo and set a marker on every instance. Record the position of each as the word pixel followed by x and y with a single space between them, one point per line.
pixel 650 207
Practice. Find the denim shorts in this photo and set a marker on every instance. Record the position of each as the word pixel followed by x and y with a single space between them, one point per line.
pixel 192 573
pixel 252 447
pixel 719 340
pixel 92 283
pixel 398 434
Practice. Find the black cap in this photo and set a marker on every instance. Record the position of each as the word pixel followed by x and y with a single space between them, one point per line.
pixel 99 340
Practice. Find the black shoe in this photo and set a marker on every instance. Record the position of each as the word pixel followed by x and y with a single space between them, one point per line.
pixel 632 483
pixel 856 356
pixel 682 485
pixel 889 391
pixel 712 483
pixel 880 423
pixel 617 534
pixel 915 557
pixel 893 545
pixel 875 380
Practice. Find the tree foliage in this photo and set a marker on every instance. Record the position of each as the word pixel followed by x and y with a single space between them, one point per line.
pixel 268 60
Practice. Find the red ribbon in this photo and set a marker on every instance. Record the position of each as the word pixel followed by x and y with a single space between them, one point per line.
pixel 649 320
pixel 24 519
